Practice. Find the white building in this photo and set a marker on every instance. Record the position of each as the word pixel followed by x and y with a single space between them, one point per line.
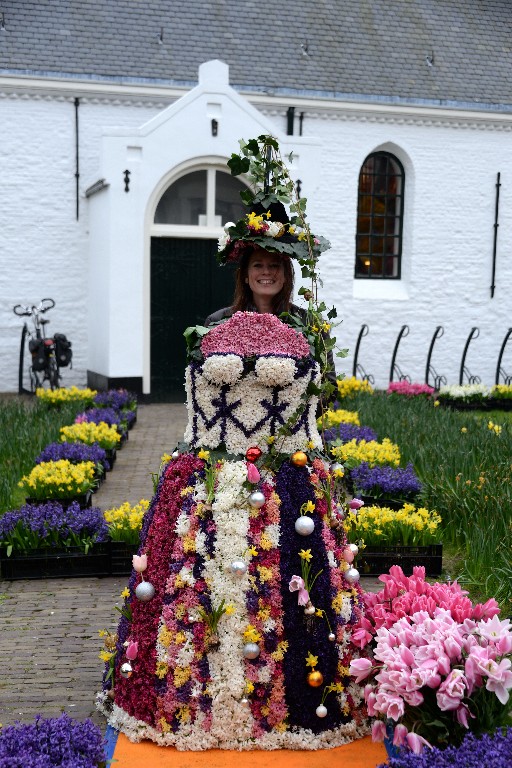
pixel 113 183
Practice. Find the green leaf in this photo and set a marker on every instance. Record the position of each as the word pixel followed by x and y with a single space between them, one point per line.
pixel 332 313
pixel 9 550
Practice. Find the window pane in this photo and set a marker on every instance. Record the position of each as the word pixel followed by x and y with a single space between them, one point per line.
pixel 379 217
pixel 228 204
pixel 184 201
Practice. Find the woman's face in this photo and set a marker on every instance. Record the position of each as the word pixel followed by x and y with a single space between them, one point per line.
pixel 265 274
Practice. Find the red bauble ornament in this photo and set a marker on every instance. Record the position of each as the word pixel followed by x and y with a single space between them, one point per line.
pixel 253 454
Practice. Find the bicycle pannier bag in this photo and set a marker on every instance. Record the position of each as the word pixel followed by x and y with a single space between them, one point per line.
pixel 63 351
pixel 37 350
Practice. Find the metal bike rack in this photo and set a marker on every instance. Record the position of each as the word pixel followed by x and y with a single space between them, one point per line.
pixel 395 368
pixel 430 370
pixel 464 370
pixel 357 368
pixel 500 371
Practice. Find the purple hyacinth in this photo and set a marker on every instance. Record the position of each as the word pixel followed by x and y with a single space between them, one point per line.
pixel 116 398
pixel 46 743
pixel 491 751
pixel 108 415
pixel 397 482
pixel 38 525
pixel 347 432
pixel 74 452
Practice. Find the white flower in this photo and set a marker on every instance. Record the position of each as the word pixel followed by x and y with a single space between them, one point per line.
pixel 223 369
pixel 275 371
pixel 275 228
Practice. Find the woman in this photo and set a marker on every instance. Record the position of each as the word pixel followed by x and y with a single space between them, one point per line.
pixel 236 630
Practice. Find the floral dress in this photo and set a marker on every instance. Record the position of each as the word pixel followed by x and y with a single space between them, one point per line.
pixel 237 630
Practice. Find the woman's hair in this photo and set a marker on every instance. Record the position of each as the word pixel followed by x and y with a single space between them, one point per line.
pixel 243 300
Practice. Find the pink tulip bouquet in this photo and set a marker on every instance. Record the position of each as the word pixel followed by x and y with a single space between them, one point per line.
pixel 437 665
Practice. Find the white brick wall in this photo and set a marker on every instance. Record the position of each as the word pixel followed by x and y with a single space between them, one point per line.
pixel 450 171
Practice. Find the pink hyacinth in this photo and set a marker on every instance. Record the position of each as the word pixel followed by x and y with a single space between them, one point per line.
pixel 252 333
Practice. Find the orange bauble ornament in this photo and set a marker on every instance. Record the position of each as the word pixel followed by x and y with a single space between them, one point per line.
pixel 299 458
pixel 315 679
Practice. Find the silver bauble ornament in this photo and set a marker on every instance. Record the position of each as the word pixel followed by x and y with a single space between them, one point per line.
pixel 304 525
pixel 238 567
pixel 354 549
pixel 352 575
pixel 321 711
pixel 256 499
pixel 126 670
pixel 251 651
pixel 336 466
pixel 309 610
pixel 144 591
pixel 332 637
pixel 244 702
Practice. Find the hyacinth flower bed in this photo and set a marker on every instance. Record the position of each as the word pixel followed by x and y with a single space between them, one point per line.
pixel 59 742
pixel 109 416
pixel 476 396
pixel 490 750
pixel 396 484
pixel 75 453
pixel 51 541
pixel 122 401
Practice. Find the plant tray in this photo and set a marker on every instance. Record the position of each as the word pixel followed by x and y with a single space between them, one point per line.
pixel 372 561
pixel 111 558
pixel 85 500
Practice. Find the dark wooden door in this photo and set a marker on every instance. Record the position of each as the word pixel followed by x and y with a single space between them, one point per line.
pixel 186 286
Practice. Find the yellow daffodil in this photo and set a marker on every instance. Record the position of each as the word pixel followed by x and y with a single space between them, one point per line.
pixel 311 661
pixel 352 385
pixel 202 454
pixel 305 554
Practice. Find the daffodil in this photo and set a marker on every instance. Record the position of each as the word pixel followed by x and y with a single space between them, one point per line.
pixel 311 660
pixel 305 554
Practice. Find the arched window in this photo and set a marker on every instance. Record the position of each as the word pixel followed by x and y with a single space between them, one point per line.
pixel 205 198
pixel 380 209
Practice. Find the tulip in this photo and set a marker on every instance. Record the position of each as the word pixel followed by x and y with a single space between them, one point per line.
pixel 378 730
pixel 140 563
pixel 253 475
pixel 132 650
pixel 416 743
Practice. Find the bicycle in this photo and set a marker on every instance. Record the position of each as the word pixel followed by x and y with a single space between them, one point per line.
pixel 47 355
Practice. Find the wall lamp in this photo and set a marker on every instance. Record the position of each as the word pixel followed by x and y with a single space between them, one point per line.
pixel 2 22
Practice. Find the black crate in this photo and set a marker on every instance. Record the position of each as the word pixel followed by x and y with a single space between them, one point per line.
pixel 373 561
pixel 69 562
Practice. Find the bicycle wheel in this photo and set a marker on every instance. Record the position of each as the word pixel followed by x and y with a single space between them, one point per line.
pixel 53 373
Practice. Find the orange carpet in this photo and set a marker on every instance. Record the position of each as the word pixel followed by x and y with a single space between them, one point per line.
pixel 358 754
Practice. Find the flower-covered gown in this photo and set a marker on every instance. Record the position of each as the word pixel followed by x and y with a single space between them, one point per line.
pixel 232 651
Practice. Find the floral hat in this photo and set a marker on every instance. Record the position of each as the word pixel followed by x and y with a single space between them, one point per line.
pixel 269 228
pixel 266 222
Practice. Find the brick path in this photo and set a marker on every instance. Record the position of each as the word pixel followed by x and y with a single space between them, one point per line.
pixel 49 628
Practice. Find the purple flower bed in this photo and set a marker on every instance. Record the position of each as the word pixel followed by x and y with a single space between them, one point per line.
pixel 74 452
pixel 347 432
pixel 52 742
pixel 95 415
pixel 377 481
pixel 490 751
pixel 116 398
pixel 50 525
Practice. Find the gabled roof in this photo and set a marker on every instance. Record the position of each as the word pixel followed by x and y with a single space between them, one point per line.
pixel 433 51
